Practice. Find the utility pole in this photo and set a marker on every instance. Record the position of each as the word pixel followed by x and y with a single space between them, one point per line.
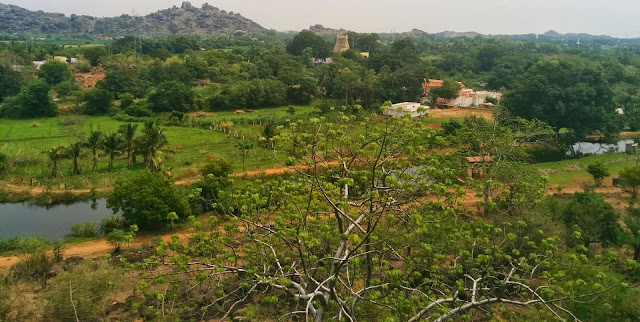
pixel 137 39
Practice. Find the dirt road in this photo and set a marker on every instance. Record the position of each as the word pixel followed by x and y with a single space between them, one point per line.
pixel 94 248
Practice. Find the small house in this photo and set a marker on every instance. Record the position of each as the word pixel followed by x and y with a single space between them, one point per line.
pixel 476 165
pixel 407 108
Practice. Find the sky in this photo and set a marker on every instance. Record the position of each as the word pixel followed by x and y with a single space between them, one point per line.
pixel 616 18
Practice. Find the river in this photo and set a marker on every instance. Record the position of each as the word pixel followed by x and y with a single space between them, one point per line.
pixel 24 219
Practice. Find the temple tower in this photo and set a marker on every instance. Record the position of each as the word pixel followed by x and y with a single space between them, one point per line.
pixel 342 44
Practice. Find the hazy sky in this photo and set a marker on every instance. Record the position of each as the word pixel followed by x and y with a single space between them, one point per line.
pixel 611 17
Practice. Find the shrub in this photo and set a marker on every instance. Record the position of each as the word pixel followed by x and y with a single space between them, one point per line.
pixel 116 237
pixel 594 218
pixel 139 109
pixel 598 171
pixel 83 230
pixel 97 101
pixel 216 178
pixel 35 267
pixel 4 163
pixel 126 100
pixel 110 224
pixel 93 287
pixel 630 177
pixel 65 88
pixel 23 245
pixel 36 263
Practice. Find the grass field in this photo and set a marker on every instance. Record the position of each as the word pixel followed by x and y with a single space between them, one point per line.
pixel 190 148
pixel 25 141
pixel 571 172
pixel 263 112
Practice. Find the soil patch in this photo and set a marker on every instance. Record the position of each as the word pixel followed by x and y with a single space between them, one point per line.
pixel 460 113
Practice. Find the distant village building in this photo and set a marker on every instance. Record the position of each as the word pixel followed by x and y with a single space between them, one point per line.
pixel 326 61
pixel 365 54
pixel 61 59
pixel 342 44
pixel 38 63
pixel 476 165
pixel 467 97
pixel 407 108
pixel 428 84
pixel 470 98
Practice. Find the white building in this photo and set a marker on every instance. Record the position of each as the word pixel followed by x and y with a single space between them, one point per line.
pixel 407 108
pixel 38 63
pixel 468 98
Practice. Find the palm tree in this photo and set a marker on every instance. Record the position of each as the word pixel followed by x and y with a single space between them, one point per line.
pixel 55 155
pixel 152 141
pixel 244 147
pixel 128 135
pixel 74 152
pixel 112 145
pixel 94 142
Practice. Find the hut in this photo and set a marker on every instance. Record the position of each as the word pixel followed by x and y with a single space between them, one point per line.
pixel 476 166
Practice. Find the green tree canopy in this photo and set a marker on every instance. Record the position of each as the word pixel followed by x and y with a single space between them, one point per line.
pixel 308 39
pixel 95 54
pixel 630 177
pixel 97 101
pixel 10 82
pixel 565 95
pixel 126 79
pixel 598 171
pixel 594 218
pixel 54 72
pixel 146 199
pixel 172 96
pixel 449 90
pixel 33 100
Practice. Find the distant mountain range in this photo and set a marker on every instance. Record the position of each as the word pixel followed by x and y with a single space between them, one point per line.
pixel 207 20
pixel 187 19
pixel 549 36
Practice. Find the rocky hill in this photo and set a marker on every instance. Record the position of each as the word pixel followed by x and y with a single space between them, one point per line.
pixel 187 19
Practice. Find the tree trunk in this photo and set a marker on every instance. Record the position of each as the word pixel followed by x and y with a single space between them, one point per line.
pixel 95 160
pixel 153 166
pixel 486 198
pixel 76 167
pixel 110 161
pixel 129 158
pixel 636 253
pixel 54 171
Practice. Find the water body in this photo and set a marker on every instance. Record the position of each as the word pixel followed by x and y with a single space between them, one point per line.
pixel 589 148
pixel 23 219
